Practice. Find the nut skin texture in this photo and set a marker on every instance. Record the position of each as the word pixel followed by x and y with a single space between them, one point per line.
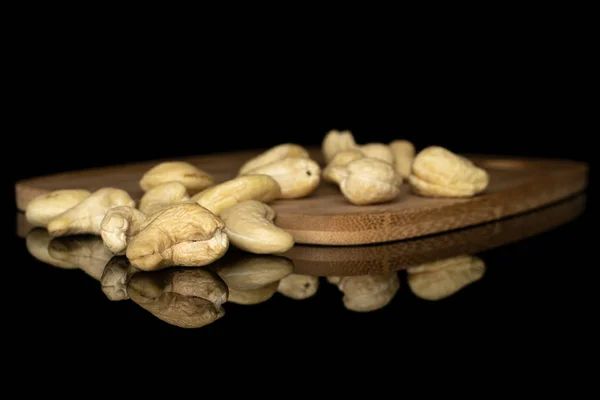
pixel 37 243
pixel 404 155
pixel 162 196
pixel 379 151
pixel 248 187
pixel 437 172
pixel 115 278
pixel 87 253
pixel 298 287
pixel 86 217
pixel 191 177
pixel 297 176
pixel 249 272
pixel 440 279
pixel 336 141
pixel 365 293
pixel 252 296
pixel 370 181
pixel 119 225
pixel 334 172
pixel 249 226
pixel 184 234
pixel 187 298
pixel 276 153
pixel 41 210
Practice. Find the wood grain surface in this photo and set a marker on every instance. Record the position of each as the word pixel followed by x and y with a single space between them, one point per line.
pixel 327 218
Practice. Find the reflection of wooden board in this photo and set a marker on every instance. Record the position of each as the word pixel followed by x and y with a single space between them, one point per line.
pixel 326 217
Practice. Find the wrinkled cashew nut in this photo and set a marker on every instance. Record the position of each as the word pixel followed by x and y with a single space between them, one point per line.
pixel 365 293
pixel 191 177
pixel 276 153
pixel 335 171
pixel 437 172
pixel 262 188
pixel 119 225
pixel 249 226
pixel 336 141
pixel 184 234
pixel 404 155
pixel 298 287
pixel 379 151
pixel 87 253
pixel 115 277
pixel 41 210
pixel 86 217
pixel 370 181
pixel 163 195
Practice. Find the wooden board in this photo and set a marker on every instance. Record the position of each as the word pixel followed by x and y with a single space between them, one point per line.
pixel 327 218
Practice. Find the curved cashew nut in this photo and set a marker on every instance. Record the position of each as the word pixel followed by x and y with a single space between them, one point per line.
pixel 379 151
pixel 335 171
pixel 298 287
pixel 115 277
pixel 249 226
pixel 252 296
pixel 41 210
pixel 37 242
pixel 370 181
pixel 335 141
pixel 404 155
pixel 88 253
pixel 250 272
pixel 248 187
pixel 119 225
pixel 191 177
pixel 275 153
pixel 365 293
pixel 163 195
pixel 85 217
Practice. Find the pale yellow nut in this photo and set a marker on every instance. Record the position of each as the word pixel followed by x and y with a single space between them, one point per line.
pixel 379 151
pixel 119 225
pixel 336 141
pixel 249 226
pixel 370 181
pixel 184 234
pixel 276 153
pixel 297 177
pixel 252 296
pixel 163 195
pixel 86 217
pixel 37 242
pixel 440 279
pixel 335 171
pixel 87 253
pixel 364 293
pixel 298 287
pixel 248 187
pixel 249 272
pixel 41 210
pixel 192 178
pixel 334 280
pixel 437 172
pixel 187 298
pixel 115 277
pixel 404 155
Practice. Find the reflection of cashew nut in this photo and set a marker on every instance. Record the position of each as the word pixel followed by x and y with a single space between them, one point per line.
pixel 37 242
pixel 262 188
pixel 252 296
pixel 41 210
pixel 443 278
pixel 249 226
pixel 163 195
pixel 379 151
pixel 404 154
pixel 275 153
pixel 191 177
pixel 298 287
pixel 184 234
pixel 370 181
pixel 115 277
pixel 119 225
pixel 88 253
pixel 335 141
pixel 364 293
pixel 250 272
pixel 85 217
pixel 188 298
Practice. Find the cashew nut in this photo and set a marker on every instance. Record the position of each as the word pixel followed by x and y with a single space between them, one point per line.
pixel 37 242
pixel 364 293
pixel 336 141
pixel 334 172
pixel 275 153
pixel 41 210
pixel 85 217
pixel 184 234
pixel 370 181
pixel 404 154
pixel 379 151
pixel 249 272
pixel 87 253
pixel 298 287
pixel 443 278
pixel 249 226
pixel 334 280
pixel 115 278
pixel 252 296
pixel 187 298
pixel 191 177
pixel 297 177
pixel 119 225
pixel 248 187
pixel 437 172
pixel 163 195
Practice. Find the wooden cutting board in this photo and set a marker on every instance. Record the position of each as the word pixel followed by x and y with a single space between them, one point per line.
pixel 327 218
